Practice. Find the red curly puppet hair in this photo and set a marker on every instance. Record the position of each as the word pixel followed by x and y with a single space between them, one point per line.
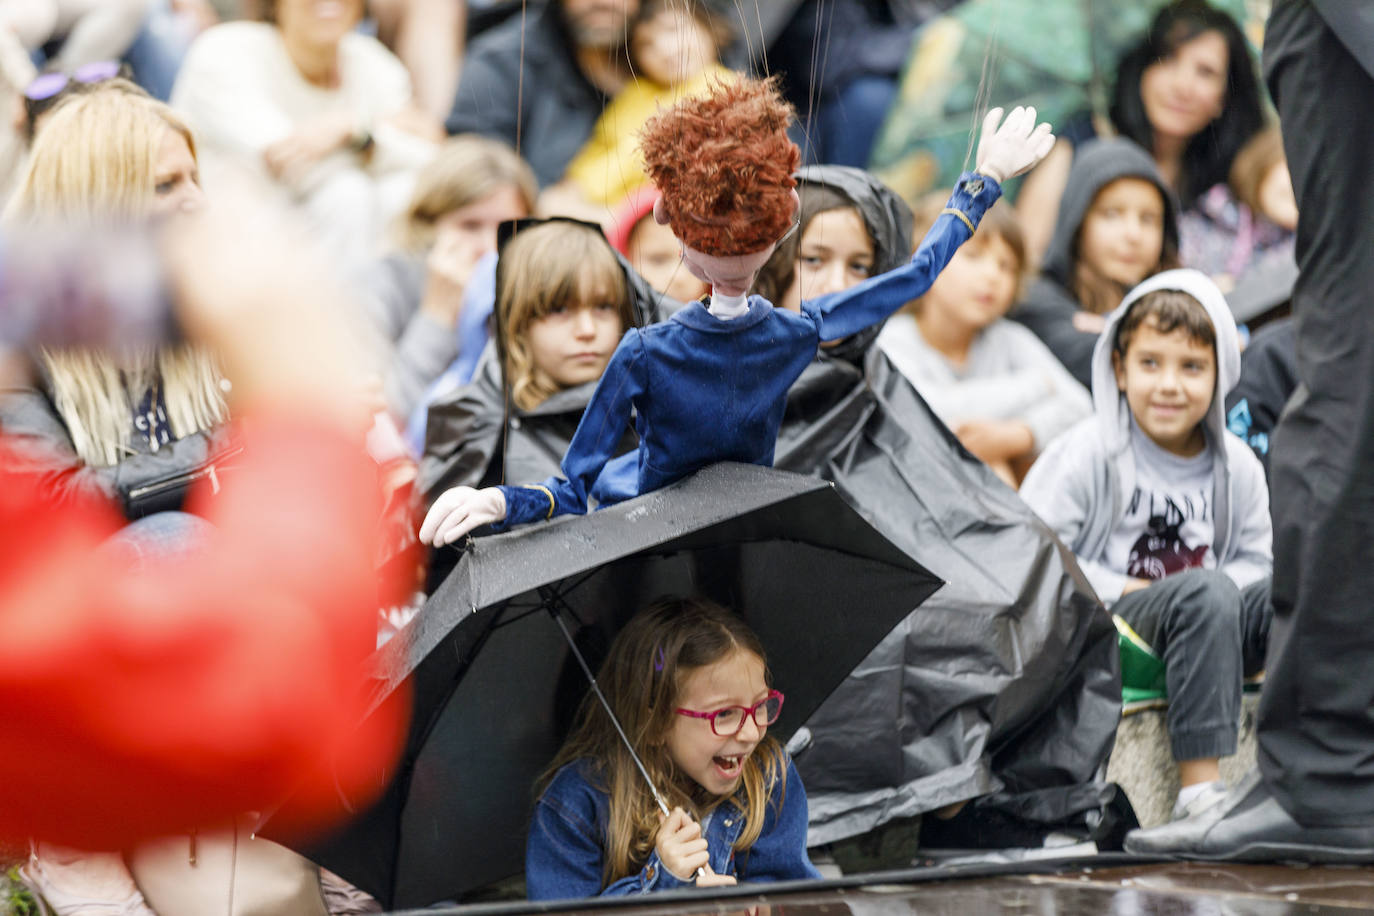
pixel 724 165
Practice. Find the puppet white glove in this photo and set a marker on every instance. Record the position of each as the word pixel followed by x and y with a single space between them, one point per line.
pixel 458 511
pixel 1014 147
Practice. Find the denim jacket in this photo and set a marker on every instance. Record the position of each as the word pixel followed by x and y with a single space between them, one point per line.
pixel 563 856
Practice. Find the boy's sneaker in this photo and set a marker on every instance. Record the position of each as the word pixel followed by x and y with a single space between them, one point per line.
pixel 1212 793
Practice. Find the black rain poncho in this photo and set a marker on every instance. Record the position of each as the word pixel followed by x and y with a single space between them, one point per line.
pixel 1005 683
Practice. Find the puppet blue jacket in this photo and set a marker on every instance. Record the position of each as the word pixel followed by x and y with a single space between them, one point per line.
pixel 702 389
pixel 567 841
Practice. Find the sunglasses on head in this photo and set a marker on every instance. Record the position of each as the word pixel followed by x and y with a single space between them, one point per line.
pixel 49 85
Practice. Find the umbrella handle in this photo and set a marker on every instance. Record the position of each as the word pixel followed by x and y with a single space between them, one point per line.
pixel 605 704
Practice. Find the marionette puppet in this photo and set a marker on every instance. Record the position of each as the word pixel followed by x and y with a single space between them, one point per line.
pixel 710 383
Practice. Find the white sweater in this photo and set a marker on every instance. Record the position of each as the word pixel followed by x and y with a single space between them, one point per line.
pixel 240 93
pixel 1010 375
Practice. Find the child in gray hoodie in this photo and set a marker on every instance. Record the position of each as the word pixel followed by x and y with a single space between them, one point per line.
pixel 1168 513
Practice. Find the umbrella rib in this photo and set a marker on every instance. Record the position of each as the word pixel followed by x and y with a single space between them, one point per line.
pixel 555 604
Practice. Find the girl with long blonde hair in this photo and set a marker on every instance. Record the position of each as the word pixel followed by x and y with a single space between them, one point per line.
pixel 129 424
pixel 688 682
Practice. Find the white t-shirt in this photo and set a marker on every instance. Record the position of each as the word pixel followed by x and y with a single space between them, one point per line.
pixel 1168 524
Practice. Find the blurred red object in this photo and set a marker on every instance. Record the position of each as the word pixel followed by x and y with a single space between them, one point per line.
pixel 139 703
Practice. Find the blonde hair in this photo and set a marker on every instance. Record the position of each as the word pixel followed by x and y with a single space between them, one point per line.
pixel 642 679
pixel 556 263
pixel 467 169
pixel 93 164
pixel 94 159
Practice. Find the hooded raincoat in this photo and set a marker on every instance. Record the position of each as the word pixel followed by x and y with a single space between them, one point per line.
pixel 471 440
pixel 1004 683
pixel 1082 482
pixel 1049 306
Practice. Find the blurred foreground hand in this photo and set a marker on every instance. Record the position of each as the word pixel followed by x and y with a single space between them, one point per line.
pixel 137 703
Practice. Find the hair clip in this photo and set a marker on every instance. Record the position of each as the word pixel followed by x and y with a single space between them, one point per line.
pixel 658 665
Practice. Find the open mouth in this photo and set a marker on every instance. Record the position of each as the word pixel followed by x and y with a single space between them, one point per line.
pixel 729 767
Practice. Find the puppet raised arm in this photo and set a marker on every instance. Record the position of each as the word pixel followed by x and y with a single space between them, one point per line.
pixel 1003 152
pixel 461 509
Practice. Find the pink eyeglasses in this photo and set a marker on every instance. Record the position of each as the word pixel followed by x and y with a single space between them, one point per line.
pixel 727 721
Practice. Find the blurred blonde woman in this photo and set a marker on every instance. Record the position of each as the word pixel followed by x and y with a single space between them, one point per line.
pixel 417 294
pixel 135 427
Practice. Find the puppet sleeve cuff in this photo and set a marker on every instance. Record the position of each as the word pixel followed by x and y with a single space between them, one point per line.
pixel 971 198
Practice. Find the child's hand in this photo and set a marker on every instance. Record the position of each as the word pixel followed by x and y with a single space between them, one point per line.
pixel 1007 151
pixel 711 879
pixel 460 510
pixel 680 845
pixel 448 270
pixel 993 441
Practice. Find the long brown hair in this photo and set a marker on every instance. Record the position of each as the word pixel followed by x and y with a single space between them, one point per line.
pixel 642 677
pixel 559 262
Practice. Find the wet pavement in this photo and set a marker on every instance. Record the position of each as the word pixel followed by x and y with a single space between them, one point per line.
pixel 1163 889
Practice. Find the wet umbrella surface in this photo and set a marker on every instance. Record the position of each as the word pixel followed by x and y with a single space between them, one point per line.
pixel 495 686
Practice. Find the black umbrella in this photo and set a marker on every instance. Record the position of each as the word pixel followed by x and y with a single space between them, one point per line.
pixel 495 685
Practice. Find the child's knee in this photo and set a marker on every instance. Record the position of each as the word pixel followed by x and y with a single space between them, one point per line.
pixel 1211 594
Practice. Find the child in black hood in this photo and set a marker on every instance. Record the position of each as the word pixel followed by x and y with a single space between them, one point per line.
pixel 1118 224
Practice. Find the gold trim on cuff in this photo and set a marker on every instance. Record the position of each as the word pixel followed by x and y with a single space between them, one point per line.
pixel 963 216
pixel 545 490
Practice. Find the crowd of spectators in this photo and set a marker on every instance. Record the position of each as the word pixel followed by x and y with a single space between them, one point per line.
pixel 404 134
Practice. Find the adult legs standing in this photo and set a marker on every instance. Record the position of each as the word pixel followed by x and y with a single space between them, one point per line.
pixel 1314 795
pixel 1316 719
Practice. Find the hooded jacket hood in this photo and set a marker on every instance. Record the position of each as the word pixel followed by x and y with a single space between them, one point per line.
pixel 1110 404
pixel 1097 165
pixel 1084 479
pixel 886 217
pixel 470 428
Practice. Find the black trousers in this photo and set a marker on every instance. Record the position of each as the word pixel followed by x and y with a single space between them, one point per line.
pixel 1210 635
pixel 1316 718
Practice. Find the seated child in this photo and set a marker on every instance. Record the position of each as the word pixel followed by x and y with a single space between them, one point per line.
pixel 1117 225
pixel 710 384
pixel 651 248
pixel 673 50
pixel 1168 513
pixel 992 381
pixel 690 679
pixel 565 300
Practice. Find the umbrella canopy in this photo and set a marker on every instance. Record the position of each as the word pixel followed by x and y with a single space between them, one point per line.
pixel 495 687
pixel 1058 55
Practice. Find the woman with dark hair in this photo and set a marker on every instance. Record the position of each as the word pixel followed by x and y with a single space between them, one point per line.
pixel 1187 94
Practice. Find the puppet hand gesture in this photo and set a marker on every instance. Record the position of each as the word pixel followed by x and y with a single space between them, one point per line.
pixel 459 510
pixel 1007 151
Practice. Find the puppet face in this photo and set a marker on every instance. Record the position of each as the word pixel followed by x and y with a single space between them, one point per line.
pixel 729 275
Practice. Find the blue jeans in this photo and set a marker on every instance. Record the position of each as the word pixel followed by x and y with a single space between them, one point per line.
pixel 158 538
